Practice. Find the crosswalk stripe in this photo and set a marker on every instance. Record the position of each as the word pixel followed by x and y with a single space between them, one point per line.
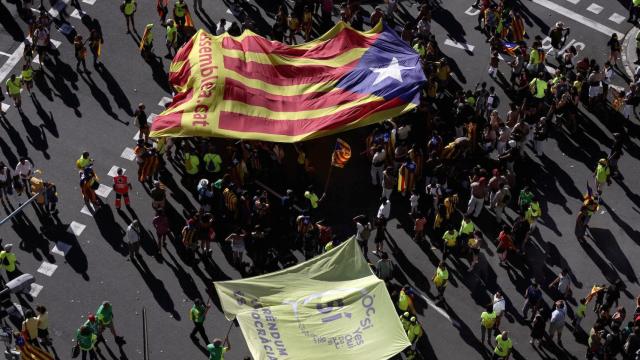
pixel 5 107
pixel 104 190
pixel 77 14
pixel 617 18
pixel 76 228
pixel 578 18
pixel 47 268
pixel 128 154
pixel 61 248
pixel 463 46
pixel 114 170
pixel 85 210
pixel 574 1
pixel 595 8
pixel 57 7
pixel 35 290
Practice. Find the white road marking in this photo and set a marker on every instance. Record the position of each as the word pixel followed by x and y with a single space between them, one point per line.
pixel 104 190
pixel 617 18
pixel 13 60
pixel 77 14
pixel 128 154
pixel 433 305
pixel 4 53
pixel 463 46
pixel 229 12
pixel 85 210
pixel 35 290
pixel 76 228
pixel 150 119
pixel 471 11
pixel 55 44
pixel 578 18
pixel 5 107
pixel 114 171
pixel 90 2
pixel 595 8
pixel 574 1
pixel 61 248
pixel 47 268
pixel 164 101
pixel 227 25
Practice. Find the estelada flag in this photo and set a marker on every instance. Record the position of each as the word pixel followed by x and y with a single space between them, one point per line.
pixel 509 47
pixel 144 35
pixel 251 88
pixel 188 21
pixel 341 153
pixel 30 352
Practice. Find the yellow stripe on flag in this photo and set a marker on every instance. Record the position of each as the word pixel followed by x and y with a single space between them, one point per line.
pixel 251 110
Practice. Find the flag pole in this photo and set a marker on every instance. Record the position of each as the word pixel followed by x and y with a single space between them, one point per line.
pixel 326 184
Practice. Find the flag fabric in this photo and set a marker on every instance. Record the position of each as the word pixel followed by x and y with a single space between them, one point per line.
pixel 144 37
pixel 329 307
pixel 341 153
pixel 188 21
pixel 99 52
pixel 30 352
pixel 406 176
pixel 509 47
pixel 251 88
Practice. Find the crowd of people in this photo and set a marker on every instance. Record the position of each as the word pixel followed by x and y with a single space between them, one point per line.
pixel 464 150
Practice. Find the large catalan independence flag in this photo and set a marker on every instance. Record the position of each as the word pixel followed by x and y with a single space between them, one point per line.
pixel 251 88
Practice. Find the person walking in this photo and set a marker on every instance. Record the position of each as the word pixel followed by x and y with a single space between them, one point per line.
pixel 602 175
pixel 121 186
pixel 8 261
pixel 24 169
pixel 537 329
pixel 13 85
pixel 27 77
pixel 476 201
pixel 504 346
pixel 80 53
pixel 128 8
pixel 95 45
pixel 377 164
pixel 104 315
pixel 532 297
pixel 180 10
pixel 163 229
pixel 172 38
pixel 43 325
pixel 440 280
pixel 487 324
pixel 30 327
pixel 563 284
pixel 86 341
pixel 558 317
pixel 217 349
pixel 197 314
pixel 133 240
pixel 505 244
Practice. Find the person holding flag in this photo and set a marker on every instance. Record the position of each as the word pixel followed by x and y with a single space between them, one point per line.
pixel 146 42
pixel 180 11
pixel 95 45
pixel 341 153
pixel 197 314
pixel 218 348
pixel 162 6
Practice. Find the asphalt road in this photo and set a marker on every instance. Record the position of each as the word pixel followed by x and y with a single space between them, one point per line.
pixel 75 112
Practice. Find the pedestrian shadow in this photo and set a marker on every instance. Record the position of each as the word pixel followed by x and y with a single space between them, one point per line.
pixel 110 230
pixel 12 159
pixel 158 74
pixel 608 271
pixel 62 72
pixel 114 89
pixel 606 242
pixel 8 22
pixel 100 97
pixel 188 285
pixel 31 240
pixel 160 293
pixel 58 233
pixel 14 135
pixel 47 118
pixel 40 80
pixel 203 16
pixel 466 334
pixel 36 136
pixel 530 18
pixel 631 232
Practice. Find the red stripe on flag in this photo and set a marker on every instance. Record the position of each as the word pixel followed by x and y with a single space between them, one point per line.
pixel 169 121
pixel 237 91
pixel 246 123
pixel 286 74
pixel 181 77
pixel 346 39
pixel 184 51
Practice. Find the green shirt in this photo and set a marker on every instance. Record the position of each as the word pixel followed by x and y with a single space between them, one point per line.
pixel 503 347
pixel 191 163
pixel 13 87
pixel 10 262
pixel 197 314
pixel 216 352
pixel 86 342
pixel 450 238
pixel 467 228
pixel 172 31
pixel 27 74
pixel 602 173
pixel 525 198
pixel 129 8
pixel 488 319
pixel 212 162
pixel 179 10
pixel 104 315
pixel 581 310
pixel 92 325
pixel 313 198
pixel 415 331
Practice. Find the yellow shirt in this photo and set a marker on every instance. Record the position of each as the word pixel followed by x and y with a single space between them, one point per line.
pixel 450 239
pixel 30 325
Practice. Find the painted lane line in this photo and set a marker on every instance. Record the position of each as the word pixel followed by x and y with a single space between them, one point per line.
pixel 47 268
pixel 574 1
pixel 578 18
pixel 617 18
pixel 35 290
pixel 90 2
pixel 76 228
pixel 463 46
pixel 433 305
pixel 12 61
pixel 4 53
pixel 128 153
pixel 61 248
pixel 471 11
pixel 104 190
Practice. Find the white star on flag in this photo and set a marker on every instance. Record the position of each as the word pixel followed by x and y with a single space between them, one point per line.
pixel 393 70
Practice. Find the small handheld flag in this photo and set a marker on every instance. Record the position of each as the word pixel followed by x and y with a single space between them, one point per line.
pixel 341 153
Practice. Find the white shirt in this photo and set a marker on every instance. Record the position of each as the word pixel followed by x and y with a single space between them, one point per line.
pixel 379 157
pixel 132 235
pixel 24 170
pixel 499 305
pixel 413 200
pixel 385 210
